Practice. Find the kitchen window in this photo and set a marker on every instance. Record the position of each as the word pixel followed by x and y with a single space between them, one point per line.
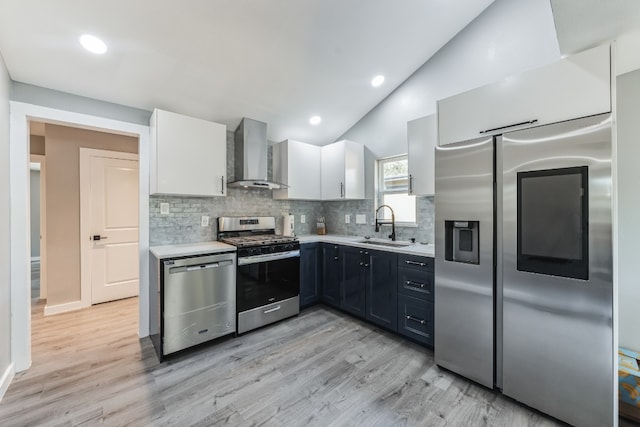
pixel 393 190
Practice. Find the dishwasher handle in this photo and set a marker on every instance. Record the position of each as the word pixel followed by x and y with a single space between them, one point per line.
pixel 198 267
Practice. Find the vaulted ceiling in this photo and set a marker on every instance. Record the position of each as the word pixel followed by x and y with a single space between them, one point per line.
pixel 278 61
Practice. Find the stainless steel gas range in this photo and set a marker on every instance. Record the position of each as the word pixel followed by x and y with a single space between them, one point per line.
pixel 268 272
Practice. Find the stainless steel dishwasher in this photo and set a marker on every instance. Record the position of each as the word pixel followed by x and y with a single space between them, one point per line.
pixel 199 300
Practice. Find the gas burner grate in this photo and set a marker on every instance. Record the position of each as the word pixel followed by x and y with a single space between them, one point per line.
pixel 258 240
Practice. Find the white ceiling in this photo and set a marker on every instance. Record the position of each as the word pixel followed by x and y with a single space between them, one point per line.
pixel 278 61
pixel 582 24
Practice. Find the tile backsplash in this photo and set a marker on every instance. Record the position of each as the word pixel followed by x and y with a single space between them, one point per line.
pixel 183 223
pixel 335 212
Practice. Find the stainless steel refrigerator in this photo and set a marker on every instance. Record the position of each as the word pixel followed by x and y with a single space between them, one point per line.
pixel 523 275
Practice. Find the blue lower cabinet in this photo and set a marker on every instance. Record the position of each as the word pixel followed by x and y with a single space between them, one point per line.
pixel 352 298
pixel 331 276
pixel 310 274
pixel 394 291
pixel 415 319
pixel 381 289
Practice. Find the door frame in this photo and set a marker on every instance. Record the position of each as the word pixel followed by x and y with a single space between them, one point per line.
pixel 20 115
pixel 86 289
pixel 39 158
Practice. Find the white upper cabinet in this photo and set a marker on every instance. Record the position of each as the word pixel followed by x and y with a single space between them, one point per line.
pixel 297 165
pixel 342 170
pixel 574 87
pixel 188 155
pixel 422 138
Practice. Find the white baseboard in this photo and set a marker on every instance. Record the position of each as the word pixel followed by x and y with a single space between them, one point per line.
pixel 6 379
pixel 63 308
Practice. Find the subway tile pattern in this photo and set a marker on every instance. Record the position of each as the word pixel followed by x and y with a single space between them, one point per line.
pixel 183 223
pixel 335 212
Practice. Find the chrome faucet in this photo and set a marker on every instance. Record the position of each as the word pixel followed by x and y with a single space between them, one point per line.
pixel 392 236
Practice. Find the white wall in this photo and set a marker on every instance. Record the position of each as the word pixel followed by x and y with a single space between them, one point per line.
pixel 628 104
pixel 627 48
pixel 37 95
pixel 509 37
pixel 5 228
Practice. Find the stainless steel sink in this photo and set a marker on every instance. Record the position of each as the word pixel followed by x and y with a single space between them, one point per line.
pixel 385 243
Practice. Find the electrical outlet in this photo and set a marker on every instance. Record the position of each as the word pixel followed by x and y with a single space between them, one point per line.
pixel 204 221
pixel 361 219
pixel 347 219
pixel 164 208
pixel 303 219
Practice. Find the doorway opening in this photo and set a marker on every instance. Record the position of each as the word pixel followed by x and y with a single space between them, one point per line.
pixel 21 116
pixel 90 188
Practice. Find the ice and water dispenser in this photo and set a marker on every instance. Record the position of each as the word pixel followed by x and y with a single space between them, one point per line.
pixel 461 241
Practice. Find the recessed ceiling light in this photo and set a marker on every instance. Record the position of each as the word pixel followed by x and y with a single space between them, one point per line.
pixel 377 81
pixel 93 44
pixel 315 120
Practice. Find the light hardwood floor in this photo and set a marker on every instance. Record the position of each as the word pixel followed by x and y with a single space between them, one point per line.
pixel 321 368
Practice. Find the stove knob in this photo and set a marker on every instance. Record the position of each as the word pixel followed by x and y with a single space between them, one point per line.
pixel 256 251
pixel 272 248
pixel 289 247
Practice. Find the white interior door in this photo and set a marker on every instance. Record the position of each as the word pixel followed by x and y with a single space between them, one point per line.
pixel 113 226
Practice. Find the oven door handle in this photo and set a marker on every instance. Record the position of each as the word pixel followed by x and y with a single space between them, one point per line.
pixel 268 257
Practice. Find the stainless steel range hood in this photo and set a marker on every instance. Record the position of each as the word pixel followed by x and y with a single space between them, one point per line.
pixel 251 150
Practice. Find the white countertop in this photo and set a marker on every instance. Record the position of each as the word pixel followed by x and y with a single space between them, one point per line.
pixel 187 249
pixel 411 248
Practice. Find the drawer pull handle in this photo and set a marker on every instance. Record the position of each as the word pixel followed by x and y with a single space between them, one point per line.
pixel 415 284
pixel 528 122
pixel 415 319
pixel 421 264
pixel 271 310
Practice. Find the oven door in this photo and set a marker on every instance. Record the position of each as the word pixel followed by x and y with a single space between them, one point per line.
pixel 265 279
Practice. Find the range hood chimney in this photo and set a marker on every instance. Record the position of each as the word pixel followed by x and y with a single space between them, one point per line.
pixel 251 150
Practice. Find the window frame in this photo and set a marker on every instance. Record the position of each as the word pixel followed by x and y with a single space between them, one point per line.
pixel 379 177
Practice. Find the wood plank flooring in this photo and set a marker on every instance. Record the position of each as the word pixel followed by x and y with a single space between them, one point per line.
pixel 321 368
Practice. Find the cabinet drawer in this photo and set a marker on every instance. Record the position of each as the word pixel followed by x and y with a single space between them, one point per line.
pixel 415 319
pixel 415 283
pixel 421 263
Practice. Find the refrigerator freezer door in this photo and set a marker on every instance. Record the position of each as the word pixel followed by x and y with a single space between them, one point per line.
pixel 464 297
pixel 557 331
